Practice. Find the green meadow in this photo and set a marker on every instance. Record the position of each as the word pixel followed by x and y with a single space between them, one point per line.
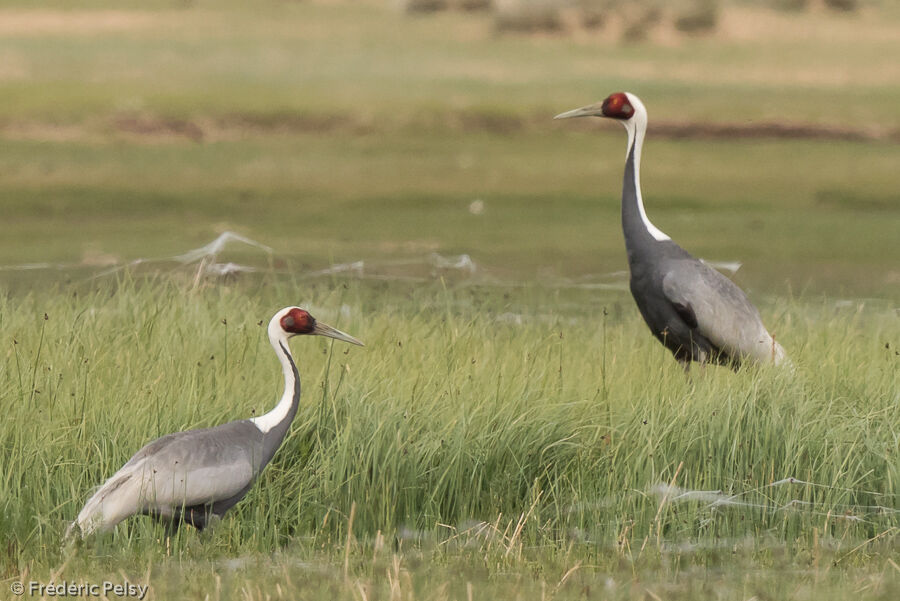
pixel 511 429
pixel 517 442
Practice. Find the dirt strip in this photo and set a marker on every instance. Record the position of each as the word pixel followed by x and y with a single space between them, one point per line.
pixel 156 128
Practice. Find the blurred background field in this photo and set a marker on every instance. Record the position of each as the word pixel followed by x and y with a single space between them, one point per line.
pixel 512 429
pixel 345 131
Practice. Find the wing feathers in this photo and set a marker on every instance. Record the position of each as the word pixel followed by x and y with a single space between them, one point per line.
pixel 198 467
pixel 718 310
pixel 686 312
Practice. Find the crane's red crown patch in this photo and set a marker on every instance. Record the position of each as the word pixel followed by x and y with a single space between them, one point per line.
pixel 617 106
pixel 298 321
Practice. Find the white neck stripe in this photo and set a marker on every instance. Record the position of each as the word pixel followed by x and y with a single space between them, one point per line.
pixel 636 128
pixel 278 340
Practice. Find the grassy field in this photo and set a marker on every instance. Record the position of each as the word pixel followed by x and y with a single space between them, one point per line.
pixel 478 438
pixel 344 132
pixel 511 429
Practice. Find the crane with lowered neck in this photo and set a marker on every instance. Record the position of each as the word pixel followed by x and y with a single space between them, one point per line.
pixel 196 476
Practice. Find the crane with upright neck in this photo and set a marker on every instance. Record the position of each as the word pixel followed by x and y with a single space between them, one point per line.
pixel 692 309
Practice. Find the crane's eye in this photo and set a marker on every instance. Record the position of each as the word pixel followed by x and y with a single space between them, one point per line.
pixel 298 321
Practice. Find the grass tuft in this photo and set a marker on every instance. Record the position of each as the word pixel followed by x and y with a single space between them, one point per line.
pixel 455 431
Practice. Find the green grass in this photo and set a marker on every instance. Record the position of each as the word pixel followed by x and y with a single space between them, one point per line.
pixel 481 430
pixel 505 433
pixel 786 210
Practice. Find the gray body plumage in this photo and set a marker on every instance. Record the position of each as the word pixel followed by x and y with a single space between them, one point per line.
pixel 195 475
pixel 198 475
pixel 695 311
pixel 692 309
pixel 190 476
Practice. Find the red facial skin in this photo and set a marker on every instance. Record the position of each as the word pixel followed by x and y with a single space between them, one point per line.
pixel 298 321
pixel 616 106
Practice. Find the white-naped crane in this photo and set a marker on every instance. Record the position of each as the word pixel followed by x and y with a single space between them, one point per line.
pixel 694 311
pixel 196 476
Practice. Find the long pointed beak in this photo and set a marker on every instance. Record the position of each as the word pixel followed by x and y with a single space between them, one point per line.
pixel 594 110
pixel 322 329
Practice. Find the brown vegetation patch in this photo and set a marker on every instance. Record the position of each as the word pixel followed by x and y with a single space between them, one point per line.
pixel 496 123
pixel 153 128
pixel 144 125
pixel 532 16
pixel 17 22
pixel 45 132
pixel 292 123
pixel 237 124
pixel 677 130
pixel 753 24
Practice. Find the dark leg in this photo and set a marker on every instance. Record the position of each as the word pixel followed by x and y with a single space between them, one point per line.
pixel 197 516
pixel 171 523
pixel 201 517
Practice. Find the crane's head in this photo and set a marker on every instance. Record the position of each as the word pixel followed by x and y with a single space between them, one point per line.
pixel 621 106
pixel 294 321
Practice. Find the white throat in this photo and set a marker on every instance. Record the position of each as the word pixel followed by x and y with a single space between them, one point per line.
pixel 279 341
pixel 636 128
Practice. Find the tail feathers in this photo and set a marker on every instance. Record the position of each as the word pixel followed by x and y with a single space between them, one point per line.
pixel 117 499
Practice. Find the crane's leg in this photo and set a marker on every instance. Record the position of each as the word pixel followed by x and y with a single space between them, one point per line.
pixel 702 358
pixel 201 517
pixel 211 521
pixel 170 521
pixel 170 525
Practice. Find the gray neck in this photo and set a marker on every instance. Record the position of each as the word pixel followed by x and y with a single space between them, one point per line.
pixel 274 435
pixel 640 235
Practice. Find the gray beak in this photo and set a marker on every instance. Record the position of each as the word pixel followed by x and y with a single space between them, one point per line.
pixel 594 110
pixel 322 329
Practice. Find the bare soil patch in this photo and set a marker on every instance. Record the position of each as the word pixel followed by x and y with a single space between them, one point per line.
pixel 17 22
pixel 151 128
